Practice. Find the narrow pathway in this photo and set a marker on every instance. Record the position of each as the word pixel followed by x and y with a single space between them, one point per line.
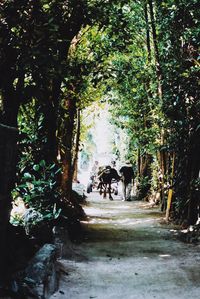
pixel 128 254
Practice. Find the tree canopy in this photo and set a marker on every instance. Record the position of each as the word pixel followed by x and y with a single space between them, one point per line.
pixel 59 57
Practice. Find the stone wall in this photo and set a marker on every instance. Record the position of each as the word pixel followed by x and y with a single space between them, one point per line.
pixel 41 279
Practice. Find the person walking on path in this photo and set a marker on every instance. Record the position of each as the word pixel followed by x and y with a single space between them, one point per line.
pixel 127 174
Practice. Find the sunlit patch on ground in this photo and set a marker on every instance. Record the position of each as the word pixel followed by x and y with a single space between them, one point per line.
pixel 165 255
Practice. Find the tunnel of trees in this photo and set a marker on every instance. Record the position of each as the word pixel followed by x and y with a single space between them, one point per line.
pixel 59 57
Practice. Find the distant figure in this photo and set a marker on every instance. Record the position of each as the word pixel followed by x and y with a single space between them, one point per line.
pixel 113 163
pixel 95 167
pixel 127 174
pixel 93 177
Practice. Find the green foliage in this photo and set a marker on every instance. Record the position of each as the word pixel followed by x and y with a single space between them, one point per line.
pixel 17 220
pixel 134 94
pixel 179 47
pixel 179 37
pixel 97 50
pixel 38 188
pixel 36 178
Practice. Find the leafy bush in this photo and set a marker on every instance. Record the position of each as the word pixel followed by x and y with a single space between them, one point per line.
pixel 38 189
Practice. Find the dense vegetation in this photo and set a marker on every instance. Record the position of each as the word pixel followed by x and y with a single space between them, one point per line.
pixel 57 58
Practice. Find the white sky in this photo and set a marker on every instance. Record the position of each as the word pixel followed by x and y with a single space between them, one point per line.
pixel 103 137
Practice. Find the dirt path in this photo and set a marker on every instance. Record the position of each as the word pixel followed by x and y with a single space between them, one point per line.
pixel 128 254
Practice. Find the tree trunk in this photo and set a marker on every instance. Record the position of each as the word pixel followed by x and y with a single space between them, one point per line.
pixel 145 175
pixel 8 154
pixel 49 148
pixel 144 162
pixel 76 146
pixel 162 163
pixel 160 95
pixel 156 51
pixel 8 161
pixel 147 33
pixel 194 192
pixel 139 163
pixel 66 147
